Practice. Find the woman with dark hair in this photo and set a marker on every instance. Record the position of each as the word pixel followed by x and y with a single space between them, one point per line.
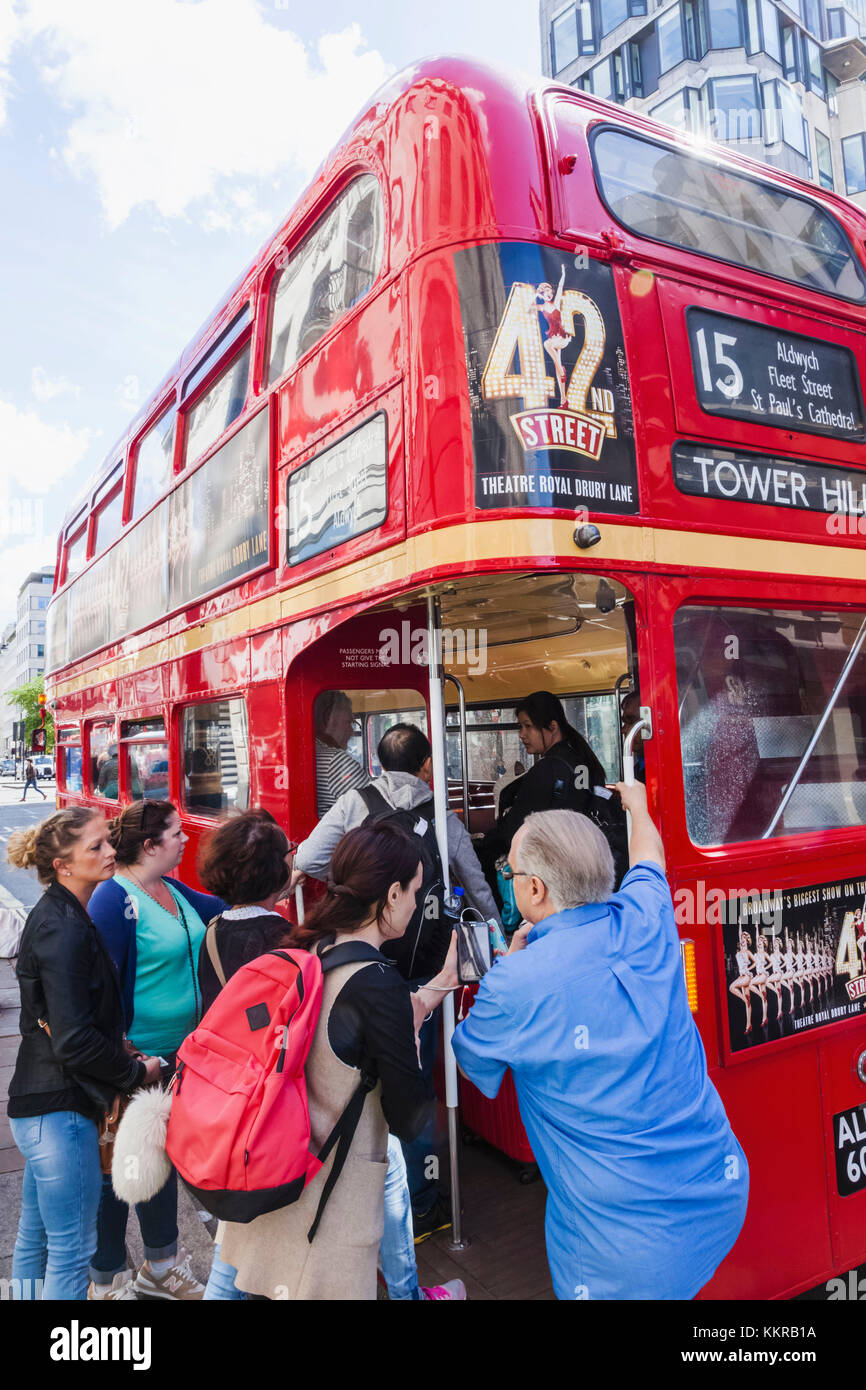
pixel 368 1025
pixel 72 1061
pixel 245 862
pixel 562 779
pixel 153 927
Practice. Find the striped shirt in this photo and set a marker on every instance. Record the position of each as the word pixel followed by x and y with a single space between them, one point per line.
pixel 336 772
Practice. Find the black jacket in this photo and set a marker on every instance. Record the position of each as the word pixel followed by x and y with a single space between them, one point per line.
pixel 67 977
pixel 536 790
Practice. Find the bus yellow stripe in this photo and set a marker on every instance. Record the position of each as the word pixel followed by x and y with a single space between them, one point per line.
pixel 489 541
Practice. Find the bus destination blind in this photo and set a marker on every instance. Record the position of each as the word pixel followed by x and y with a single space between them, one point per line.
pixel 750 371
pixel 739 475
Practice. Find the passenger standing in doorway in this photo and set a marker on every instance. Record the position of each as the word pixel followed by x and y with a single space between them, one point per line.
pixel 30 781
pixel 336 770
pixel 405 755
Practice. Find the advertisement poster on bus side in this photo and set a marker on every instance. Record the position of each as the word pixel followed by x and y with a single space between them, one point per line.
pixel 795 958
pixel 219 519
pixel 549 392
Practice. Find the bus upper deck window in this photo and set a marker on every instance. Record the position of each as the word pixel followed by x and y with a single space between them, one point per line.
pixel 753 687
pixel 153 462
pixel 331 270
pixel 663 192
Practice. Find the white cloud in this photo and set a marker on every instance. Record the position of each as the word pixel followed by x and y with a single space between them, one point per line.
pixel 9 32
pixel 35 455
pixel 45 388
pixel 171 101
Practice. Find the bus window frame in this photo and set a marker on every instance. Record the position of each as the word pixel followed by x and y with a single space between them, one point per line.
pixel 167 402
pixel 87 785
pixel 176 724
pixel 306 223
pixel 74 535
pixel 596 128
pixel 124 742
pixel 104 501
pixel 188 402
pixel 755 855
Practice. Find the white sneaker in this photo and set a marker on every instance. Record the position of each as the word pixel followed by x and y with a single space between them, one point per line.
pixel 121 1289
pixel 178 1283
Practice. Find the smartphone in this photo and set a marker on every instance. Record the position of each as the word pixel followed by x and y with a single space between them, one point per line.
pixel 474 954
pixel 498 944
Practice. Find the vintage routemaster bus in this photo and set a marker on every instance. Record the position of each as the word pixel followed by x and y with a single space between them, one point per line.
pixel 579 400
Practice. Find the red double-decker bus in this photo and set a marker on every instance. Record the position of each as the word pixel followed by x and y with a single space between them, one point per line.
pixel 576 403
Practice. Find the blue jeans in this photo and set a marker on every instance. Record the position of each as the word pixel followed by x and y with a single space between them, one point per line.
pixel 397 1250
pixel 157 1219
pixel 221 1281
pixel 36 787
pixel 424 1190
pixel 59 1202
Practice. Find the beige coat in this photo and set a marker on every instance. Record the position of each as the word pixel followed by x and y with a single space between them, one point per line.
pixel 272 1254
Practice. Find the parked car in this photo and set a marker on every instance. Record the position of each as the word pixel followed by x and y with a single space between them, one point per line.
pixel 43 764
pixel 7 767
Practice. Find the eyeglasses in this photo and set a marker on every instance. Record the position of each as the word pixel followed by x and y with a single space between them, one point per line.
pixel 508 873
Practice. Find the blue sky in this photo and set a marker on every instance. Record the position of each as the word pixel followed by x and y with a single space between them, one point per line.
pixel 147 147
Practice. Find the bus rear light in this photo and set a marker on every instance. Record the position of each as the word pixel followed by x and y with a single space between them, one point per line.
pixel 687 951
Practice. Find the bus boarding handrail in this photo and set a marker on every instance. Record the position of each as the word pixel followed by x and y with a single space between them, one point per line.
pixel 813 741
pixel 464 749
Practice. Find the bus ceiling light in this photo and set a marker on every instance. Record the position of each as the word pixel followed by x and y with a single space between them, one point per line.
pixel 687 952
pixel 586 536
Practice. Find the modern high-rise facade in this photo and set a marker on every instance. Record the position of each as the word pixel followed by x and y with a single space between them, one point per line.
pixel 33 597
pixel 785 83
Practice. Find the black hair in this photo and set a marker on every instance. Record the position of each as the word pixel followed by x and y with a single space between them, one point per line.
pixel 404 748
pixel 541 708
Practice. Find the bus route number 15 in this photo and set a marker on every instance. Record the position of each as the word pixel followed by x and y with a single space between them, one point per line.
pixel 730 386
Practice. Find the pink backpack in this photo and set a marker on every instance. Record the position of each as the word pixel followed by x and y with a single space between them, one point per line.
pixel 239 1129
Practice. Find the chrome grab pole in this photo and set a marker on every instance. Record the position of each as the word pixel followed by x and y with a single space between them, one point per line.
pixel 644 723
pixel 830 706
pixel 440 812
pixel 464 748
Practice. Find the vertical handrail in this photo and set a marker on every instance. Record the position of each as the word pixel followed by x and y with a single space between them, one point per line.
pixel 464 745
pixel 440 815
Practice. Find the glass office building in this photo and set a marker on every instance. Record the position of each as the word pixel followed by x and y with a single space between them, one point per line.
pixel 785 83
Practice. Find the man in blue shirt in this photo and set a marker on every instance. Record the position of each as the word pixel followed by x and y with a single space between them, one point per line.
pixel 647 1184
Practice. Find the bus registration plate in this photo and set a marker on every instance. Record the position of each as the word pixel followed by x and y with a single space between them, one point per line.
pixel 849 1137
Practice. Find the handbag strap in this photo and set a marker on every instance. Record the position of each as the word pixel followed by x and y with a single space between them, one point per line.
pixel 210 941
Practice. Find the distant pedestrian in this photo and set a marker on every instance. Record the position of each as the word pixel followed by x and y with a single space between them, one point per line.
pixel 72 1061
pixel 30 781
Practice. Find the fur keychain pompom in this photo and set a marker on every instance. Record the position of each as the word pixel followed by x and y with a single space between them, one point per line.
pixel 140 1166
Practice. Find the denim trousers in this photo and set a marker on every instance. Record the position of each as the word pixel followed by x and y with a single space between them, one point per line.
pixel 423 1189
pixel 59 1202
pixel 157 1219
pixel 221 1281
pixel 397 1249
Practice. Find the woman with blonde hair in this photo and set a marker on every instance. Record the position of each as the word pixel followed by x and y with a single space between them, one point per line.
pixel 72 1060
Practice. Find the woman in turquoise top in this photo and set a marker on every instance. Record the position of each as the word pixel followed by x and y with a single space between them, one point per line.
pixel 153 927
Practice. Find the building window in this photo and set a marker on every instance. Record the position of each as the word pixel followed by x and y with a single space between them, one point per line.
pixel 682 110
pixel 602 80
pixel 695 20
pixel 725 29
pixel 153 468
pixel 854 157
pixel 824 159
pixel 832 86
pixel 783 116
pixel 586 28
pixel 810 13
pixel 563 39
pixel 215 758
pixel 813 69
pixel 635 70
pixel 791 53
pixel 770 40
pixel 613 13
pixel 669 28
pixel 735 112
